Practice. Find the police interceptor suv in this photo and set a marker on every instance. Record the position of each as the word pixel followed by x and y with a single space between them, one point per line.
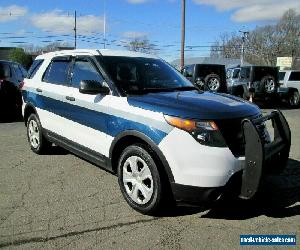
pixel 136 116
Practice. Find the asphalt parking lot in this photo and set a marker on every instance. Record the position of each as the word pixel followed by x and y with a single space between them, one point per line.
pixel 61 201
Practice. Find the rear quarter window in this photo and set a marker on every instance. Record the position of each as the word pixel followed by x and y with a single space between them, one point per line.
pixel 34 68
pixel 295 76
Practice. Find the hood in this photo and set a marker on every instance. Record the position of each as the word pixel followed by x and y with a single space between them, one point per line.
pixel 195 105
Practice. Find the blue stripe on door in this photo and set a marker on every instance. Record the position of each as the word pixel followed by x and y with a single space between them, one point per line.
pixel 106 123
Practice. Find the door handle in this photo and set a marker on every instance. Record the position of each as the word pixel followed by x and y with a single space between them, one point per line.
pixel 70 98
pixel 39 90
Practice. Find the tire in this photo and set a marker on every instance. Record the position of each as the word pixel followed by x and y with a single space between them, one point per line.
pixel 213 82
pixel 38 143
pixel 140 180
pixel 269 84
pixel 294 99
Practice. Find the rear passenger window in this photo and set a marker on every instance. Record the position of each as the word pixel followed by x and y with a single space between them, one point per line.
pixel 295 76
pixel 34 68
pixel 57 71
pixel 84 70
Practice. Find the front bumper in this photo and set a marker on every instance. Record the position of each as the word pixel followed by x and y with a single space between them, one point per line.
pixel 261 158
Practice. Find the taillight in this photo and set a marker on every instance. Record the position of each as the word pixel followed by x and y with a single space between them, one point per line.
pixel 21 84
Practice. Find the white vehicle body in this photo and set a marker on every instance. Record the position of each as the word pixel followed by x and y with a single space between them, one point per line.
pixel 96 126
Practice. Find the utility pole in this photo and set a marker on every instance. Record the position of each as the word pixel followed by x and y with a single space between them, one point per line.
pixel 75 30
pixel 104 26
pixel 182 34
pixel 244 36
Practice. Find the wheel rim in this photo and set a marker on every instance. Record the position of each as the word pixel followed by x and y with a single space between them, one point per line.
pixel 33 134
pixel 137 180
pixel 270 85
pixel 213 84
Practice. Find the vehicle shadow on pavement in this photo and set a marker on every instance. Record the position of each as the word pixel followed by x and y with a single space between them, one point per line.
pixel 56 150
pixel 277 198
pixel 274 105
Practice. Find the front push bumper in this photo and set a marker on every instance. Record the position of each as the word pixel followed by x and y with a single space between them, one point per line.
pixel 263 157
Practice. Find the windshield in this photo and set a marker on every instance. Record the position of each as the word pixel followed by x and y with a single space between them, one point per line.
pixel 137 75
pixel 236 73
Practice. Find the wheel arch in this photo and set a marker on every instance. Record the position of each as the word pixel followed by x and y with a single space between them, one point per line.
pixel 292 90
pixel 28 110
pixel 130 137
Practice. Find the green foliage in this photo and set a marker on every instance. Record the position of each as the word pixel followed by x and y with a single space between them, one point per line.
pixel 140 45
pixel 18 55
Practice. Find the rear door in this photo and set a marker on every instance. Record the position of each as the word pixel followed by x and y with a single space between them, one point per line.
pixel 51 91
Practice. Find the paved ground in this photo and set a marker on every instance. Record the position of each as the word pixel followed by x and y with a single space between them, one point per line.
pixel 60 201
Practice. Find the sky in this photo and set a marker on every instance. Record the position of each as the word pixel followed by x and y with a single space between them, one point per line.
pixel 39 22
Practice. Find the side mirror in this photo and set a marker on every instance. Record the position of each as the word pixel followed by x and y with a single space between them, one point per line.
pixel 93 87
pixel 184 72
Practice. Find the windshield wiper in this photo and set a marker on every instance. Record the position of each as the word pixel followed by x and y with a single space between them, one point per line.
pixel 156 90
pixel 183 88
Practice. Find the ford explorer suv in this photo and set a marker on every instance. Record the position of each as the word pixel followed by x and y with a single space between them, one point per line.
pixel 290 86
pixel 136 116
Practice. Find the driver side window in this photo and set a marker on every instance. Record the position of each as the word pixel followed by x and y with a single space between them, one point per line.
pixel 84 70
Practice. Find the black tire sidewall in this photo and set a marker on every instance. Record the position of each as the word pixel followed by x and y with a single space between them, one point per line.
pixel 152 205
pixel 291 99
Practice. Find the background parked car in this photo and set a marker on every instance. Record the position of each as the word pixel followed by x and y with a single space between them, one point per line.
pixel 290 83
pixel 234 85
pixel 262 81
pixel 11 81
pixel 207 76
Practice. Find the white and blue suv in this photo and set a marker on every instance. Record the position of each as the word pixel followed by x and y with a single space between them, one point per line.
pixel 136 116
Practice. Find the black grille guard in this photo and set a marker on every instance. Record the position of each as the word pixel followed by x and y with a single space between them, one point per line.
pixel 260 157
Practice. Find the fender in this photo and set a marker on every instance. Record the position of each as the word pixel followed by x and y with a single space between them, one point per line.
pixel 152 145
pixel 29 105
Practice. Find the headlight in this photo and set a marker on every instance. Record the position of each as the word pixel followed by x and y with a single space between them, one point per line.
pixel 205 132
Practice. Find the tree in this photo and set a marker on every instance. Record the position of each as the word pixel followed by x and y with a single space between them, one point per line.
pixel 141 45
pixel 18 55
pixel 264 44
